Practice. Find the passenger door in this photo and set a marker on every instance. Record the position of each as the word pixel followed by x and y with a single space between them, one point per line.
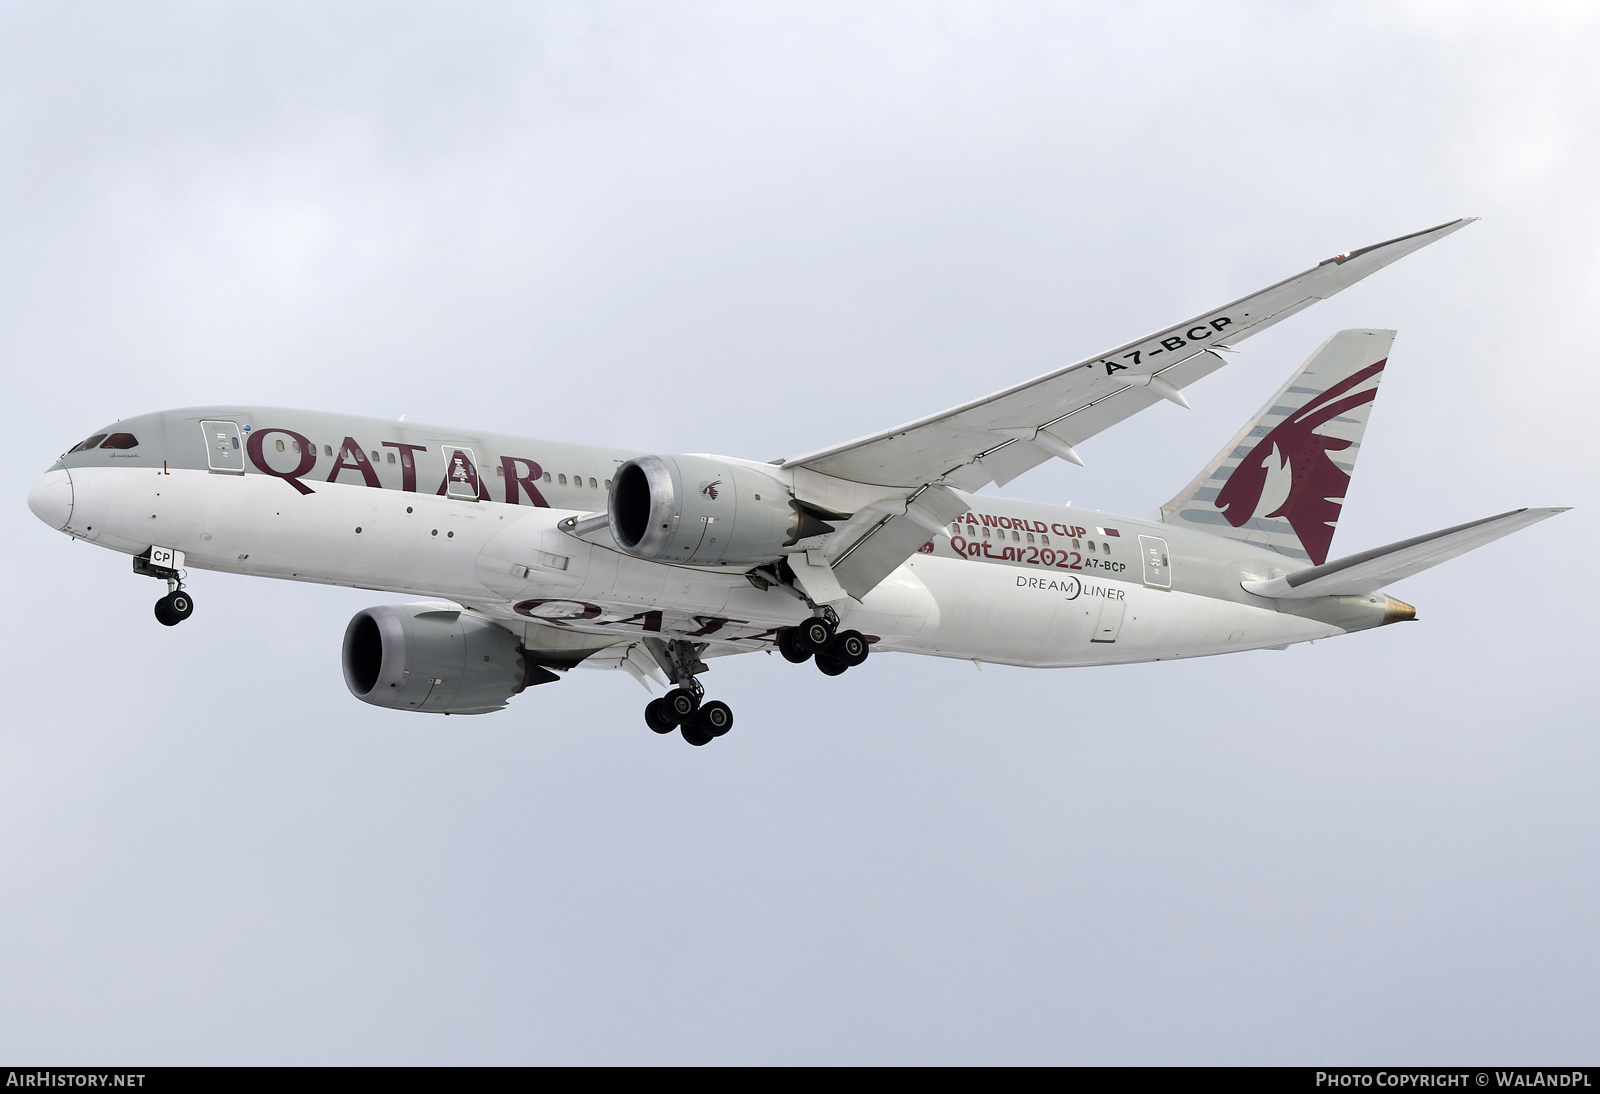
pixel 1157 564
pixel 224 450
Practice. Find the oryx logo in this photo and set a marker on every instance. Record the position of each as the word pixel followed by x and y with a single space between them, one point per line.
pixel 1308 488
pixel 709 489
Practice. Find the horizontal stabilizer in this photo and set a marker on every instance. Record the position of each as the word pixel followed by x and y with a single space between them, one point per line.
pixel 1370 571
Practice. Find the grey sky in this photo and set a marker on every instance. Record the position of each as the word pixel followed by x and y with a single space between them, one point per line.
pixel 757 229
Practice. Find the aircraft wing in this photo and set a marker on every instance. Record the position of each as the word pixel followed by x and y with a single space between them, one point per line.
pixel 998 437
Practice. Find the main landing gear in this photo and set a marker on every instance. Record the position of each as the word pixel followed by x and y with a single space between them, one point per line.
pixel 177 605
pixel 682 707
pixel 819 639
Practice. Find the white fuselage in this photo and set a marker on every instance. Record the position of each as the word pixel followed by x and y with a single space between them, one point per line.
pixel 992 597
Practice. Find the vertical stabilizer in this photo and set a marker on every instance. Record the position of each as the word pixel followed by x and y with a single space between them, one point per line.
pixel 1282 481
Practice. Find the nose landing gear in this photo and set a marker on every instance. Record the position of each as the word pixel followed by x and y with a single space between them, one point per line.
pixel 163 564
pixel 682 708
pixel 174 608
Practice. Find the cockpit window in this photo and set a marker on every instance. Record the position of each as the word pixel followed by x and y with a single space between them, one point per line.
pixel 84 446
pixel 121 440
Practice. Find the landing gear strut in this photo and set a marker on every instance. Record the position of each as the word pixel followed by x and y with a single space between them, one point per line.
pixel 682 707
pixel 177 605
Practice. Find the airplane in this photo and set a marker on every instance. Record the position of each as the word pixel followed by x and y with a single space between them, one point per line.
pixel 538 556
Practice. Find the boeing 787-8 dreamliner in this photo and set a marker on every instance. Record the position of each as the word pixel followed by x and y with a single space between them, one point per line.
pixel 538 556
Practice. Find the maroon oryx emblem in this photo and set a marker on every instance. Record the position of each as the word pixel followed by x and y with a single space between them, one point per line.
pixel 709 489
pixel 1317 485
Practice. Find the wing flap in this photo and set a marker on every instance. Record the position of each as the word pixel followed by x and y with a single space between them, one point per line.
pixel 894 538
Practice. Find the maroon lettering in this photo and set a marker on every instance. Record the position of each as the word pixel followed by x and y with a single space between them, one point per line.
pixel 357 462
pixel 308 458
pixel 408 465
pixel 556 611
pixel 527 480
pixel 712 625
pixel 651 621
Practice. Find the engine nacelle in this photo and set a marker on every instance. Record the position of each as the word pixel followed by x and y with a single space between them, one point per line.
pixel 702 511
pixel 431 657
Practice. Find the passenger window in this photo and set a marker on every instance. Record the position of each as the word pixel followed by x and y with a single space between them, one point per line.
pixel 1030 537
pixel 985 531
pixel 391 456
pixel 1016 538
pixel 374 457
pixel 563 479
pixel 592 485
pixel 547 476
pixel 295 445
pixel 1075 543
pixel 500 471
pixel 84 446
pixel 280 444
pixel 327 450
pixel 971 531
pixel 608 486
pixel 121 440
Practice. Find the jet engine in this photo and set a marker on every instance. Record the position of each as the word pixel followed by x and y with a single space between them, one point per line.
pixel 433 657
pixel 703 511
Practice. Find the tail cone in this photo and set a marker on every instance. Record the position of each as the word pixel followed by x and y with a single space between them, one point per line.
pixel 1398 611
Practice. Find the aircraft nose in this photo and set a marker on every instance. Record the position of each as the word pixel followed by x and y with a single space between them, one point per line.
pixel 51 499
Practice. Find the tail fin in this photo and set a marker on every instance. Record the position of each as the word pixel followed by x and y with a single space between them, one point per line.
pixel 1282 481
